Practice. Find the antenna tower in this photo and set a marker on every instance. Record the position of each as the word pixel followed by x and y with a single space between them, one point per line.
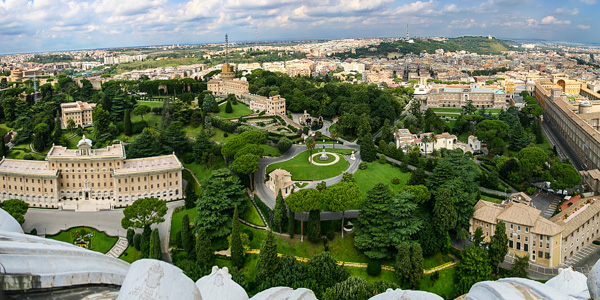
pixel 226 49
pixel 407 36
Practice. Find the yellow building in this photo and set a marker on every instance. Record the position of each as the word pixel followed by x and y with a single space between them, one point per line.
pixel 228 84
pixel 79 112
pixel 100 178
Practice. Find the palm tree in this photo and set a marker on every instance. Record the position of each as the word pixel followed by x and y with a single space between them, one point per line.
pixel 433 139
pixel 425 139
pixel 310 145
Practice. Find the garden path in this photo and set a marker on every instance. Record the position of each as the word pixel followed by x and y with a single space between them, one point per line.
pixel 119 247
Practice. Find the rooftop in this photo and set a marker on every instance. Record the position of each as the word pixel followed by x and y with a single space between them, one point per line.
pixel 149 164
pixel 60 152
pixel 27 167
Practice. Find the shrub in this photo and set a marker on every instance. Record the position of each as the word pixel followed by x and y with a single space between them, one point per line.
pixel 382 159
pixel 374 268
pixel 363 165
pixel 225 134
pixel 28 156
pixel 330 235
pixel 249 233
pixel 530 190
pixel 137 241
pixel 395 180
pixel 33 232
pixel 130 235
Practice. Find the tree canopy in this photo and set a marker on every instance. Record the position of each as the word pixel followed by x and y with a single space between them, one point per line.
pixel 144 212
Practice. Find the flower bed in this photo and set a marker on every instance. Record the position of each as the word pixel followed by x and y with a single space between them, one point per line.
pixel 82 238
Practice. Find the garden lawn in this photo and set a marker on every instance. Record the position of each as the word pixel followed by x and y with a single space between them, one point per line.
pixel 100 242
pixel 379 173
pixel 201 171
pixel 490 199
pixel 435 260
pixel 151 104
pixel 343 151
pixel 301 169
pixel 220 136
pixel 131 254
pixel 151 119
pixel 176 220
pixel 239 110
pixel 251 215
pixel 444 286
pixel 270 150
pixel 387 276
pixel 19 152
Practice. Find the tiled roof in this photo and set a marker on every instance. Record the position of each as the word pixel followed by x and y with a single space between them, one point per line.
pixel 149 164
pixel 26 167
pixel 518 213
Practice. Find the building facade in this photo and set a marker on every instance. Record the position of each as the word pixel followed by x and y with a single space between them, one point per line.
pixel 274 105
pixel 280 180
pixel 550 242
pixel 104 178
pixel 80 112
pixel 227 83
pixel 458 96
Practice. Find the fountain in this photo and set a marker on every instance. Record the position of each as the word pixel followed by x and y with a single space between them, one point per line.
pixel 323 155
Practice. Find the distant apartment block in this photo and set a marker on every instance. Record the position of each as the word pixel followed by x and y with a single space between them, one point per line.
pixel 271 106
pixel 457 96
pixel 123 59
pixel 79 112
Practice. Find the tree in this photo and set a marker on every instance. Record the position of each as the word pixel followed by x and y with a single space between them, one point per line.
pixel 145 145
pixel 468 108
pixel 173 138
pixel 310 145
pixel 190 195
pixel 101 124
pixel 405 224
pixel 155 251
pixel 419 192
pixel 425 140
pixel 474 267
pixel 187 236
pixel 565 175
pixel 279 212
pixel 417 177
pixel 353 288
pixel 16 208
pixel 530 159
pixel 478 237
pixel 444 215
pixel 130 235
pixel 246 164
pixel 314 225
pixel 416 263
pixel 208 104
pixel 301 202
pixel 347 177
pixel 367 148
pixel 520 266
pixel 487 130
pixel 144 212
pixel 228 108
pixel 127 122
pixel 291 223
pixel 141 110
pixel 204 252
pixel 497 146
pixel 3 148
pixel 284 144
pixel 341 197
pixel 221 193
pixel 375 223
pixel 268 262
pixel 520 139
pixel 403 265
pixel 42 132
pixel 145 241
pixel 237 249
pixel 137 239
pixel 498 247
pixel 71 125
pixel 325 271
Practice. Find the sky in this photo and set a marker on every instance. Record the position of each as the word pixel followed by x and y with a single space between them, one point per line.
pixel 56 25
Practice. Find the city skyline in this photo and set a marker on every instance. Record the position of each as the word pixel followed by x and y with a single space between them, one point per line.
pixel 45 26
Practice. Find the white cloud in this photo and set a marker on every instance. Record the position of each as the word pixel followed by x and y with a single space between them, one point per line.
pixel 566 11
pixel 551 20
pixel 589 1
pixel 466 23
pixel 583 27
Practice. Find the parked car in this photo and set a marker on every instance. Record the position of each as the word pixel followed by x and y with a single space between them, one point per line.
pixel 596 242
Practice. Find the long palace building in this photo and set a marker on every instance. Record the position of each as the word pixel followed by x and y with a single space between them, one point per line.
pixel 90 179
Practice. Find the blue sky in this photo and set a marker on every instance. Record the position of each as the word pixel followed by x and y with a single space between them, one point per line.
pixel 52 25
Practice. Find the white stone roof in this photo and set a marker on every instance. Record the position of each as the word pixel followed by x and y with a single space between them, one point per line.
pixel 406 295
pixel 514 289
pixel 285 293
pixel 8 223
pixel 157 280
pixel 570 282
pixel 112 151
pixel 26 167
pixel 149 164
pixel 218 285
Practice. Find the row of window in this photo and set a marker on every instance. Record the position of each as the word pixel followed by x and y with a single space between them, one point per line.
pixel 26 180
pixel 85 165
pixel 151 178
pixel 139 188
pixel 10 187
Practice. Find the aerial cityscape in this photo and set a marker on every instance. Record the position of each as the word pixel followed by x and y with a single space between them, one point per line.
pixel 297 151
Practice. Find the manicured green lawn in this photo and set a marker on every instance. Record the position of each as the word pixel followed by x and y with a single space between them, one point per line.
pixel 490 199
pixel 131 254
pixel 100 242
pixel 379 173
pixel 19 152
pixel 387 276
pixel 435 260
pixel 239 110
pixel 220 136
pixel 202 171
pixel 151 104
pixel 270 150
pixel 444 286
pixel 329 159
pixel 176 220
pixel 342 151
pixel 301 169
pixel 251 215
pixel 151 119
pixel 344 250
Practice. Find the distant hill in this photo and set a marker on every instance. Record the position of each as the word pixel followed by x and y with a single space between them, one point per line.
pixel 475 44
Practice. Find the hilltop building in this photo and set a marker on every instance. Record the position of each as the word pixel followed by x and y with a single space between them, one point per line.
pixel 79 112
pixel 227 83
pixel 549 242
pixel 93 178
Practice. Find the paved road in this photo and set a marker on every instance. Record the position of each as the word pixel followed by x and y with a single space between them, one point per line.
pixel 263 191
pixel 545 203
pixel 562 147
pixel 52 221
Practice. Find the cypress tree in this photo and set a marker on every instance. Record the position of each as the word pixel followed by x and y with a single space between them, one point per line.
pixel 3 149
pixel 403 266
pixel 127 122
pixel 279 212
pixel 145 241
pixel 155 250
pixel 367 148
pixel 314 226
pixel 190 195
pixel 416 261
pixel 137 241
pixel 204 252
pixel 291 223
pixel 130 235
pixel 498 247
pixel 268 262
pixel 187 237
pixel 228 108
pixel 237 249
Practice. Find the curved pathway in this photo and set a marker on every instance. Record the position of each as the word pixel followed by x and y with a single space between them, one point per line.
pixel 263 191
pixel 335 160
pixel 118 248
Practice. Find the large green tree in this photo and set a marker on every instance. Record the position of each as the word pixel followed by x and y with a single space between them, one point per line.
pixel 173 138
pixel 532 159
pixel 187 236
pixel 279 213
pixel 341 197
pixel 444 214
pixel 155 250
pixel 190 194
pixel 565 175
pixel 268 263
pixel 367 148
pixel 474 267
pixel 144 212
pixel 314 225
pixel 520 266
pixel 403 266
pixel 416 263
pixel 246 164
pixel 325 271
pixel 127 123
pixel 237 249
pixel 498 247
pixel 405 224
pixel 16 208
pixel 487 130
pixel 375 223
pixel 221 193
pixel 301 202
pixel 145 145
pixel 419 192
pixel 101 124
pixel 141 110
pixel 204 251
